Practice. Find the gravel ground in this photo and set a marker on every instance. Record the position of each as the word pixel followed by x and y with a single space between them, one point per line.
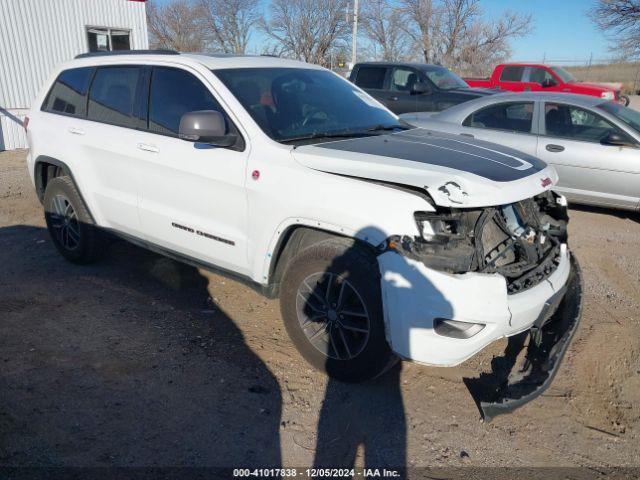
pixel 138 360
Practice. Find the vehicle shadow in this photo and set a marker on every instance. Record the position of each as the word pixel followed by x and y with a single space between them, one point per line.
pixel 622 214
pixel 370 415
pixel 126 362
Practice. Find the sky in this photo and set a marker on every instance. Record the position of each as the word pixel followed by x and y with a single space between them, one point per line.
pixel 562 31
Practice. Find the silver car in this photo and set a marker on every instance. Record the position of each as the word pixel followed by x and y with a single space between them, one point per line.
pixel 593 144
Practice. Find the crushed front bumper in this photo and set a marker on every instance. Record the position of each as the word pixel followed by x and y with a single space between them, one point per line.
pixel 415 297
pixel 511 384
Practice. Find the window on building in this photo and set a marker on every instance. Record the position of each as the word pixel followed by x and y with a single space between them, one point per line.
pixel 68 95
pixel 173 93
pixel 371 77
pixel 512 117
pixel 108 39
pixel 112 98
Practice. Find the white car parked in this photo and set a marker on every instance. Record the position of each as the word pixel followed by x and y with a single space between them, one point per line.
pixel 381 240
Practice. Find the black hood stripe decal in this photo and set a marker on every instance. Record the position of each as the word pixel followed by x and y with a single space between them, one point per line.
pixel 484 159
pixel 520 165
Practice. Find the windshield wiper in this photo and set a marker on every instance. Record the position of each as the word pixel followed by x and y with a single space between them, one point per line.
pixel 387 128
pixel 349 133
pixel 343 134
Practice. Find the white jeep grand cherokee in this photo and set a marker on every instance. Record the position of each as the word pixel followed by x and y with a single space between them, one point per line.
pixel 380 239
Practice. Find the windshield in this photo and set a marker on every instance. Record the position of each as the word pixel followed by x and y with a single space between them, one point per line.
pixel 563 74
pixel 444 79
pixel 297 103
pixel 624 114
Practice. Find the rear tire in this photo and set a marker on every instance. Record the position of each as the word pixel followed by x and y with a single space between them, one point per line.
pixel 69 223
pixel 625 100
pixel 331 305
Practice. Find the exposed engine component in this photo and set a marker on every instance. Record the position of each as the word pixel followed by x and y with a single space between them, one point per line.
pixel 521 241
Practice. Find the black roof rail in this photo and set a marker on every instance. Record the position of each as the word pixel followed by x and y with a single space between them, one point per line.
pixel 128 52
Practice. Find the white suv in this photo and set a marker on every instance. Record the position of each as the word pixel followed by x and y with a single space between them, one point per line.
pixel 380 239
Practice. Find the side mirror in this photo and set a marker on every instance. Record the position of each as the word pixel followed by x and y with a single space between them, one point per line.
pixel 548 82
pixel 420 88
pixel 205 126
pixel 616 140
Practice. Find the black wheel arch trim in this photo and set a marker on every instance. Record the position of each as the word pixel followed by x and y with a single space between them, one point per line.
pixel 292 240
pixel 38 178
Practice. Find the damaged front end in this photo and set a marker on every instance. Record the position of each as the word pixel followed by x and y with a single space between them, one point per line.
pixel 464 254
pixel 516 379
pixel 520 241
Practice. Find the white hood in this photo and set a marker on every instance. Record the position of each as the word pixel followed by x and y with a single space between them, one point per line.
pixel 455 171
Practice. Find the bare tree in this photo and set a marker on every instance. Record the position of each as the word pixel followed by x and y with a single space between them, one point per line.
pixel 382 24
pixel 230 23
pixel 422 23
pixel 470 43
pixel 176 25
pixel 621 19
pixel 307 29
pixel 454 32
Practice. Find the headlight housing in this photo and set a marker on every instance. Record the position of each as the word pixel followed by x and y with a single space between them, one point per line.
pixel 439 227
pixel 608 95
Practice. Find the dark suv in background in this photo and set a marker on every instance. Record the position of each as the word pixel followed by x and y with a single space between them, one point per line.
pixel 413 87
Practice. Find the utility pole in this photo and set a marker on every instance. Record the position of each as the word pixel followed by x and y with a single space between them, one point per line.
pixel 589 65
pixel 354 40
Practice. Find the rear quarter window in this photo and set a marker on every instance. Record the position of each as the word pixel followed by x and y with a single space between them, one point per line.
pixel 68 95
pixel 371 77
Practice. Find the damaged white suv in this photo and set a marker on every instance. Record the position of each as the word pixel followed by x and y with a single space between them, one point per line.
pixel 380 239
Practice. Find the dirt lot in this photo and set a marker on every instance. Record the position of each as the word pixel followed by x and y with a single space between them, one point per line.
pixel 139 360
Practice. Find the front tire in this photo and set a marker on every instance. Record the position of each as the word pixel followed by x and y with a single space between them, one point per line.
pixel 69 223
pixel 331 305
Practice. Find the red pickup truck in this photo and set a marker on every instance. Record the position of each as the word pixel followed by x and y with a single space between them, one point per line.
pixel 524 77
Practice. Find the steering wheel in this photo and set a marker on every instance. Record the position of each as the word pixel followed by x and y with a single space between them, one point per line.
pixel 314 117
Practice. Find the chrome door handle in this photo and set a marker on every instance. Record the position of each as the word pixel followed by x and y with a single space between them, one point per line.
pixel 148 148
pixel 76 131
pixel 554 148
pixel 394 99
pixel 467 135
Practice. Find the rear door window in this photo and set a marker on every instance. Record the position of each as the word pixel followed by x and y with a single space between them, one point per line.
pixel 371 77
pixel 68 96
pixel 512 117
pixel 173 93
pixel 113 95
pixel 511 74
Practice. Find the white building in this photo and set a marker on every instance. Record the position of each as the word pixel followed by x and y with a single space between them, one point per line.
pixel 36 35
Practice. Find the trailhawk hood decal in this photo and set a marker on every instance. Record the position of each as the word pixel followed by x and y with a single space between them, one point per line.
pixel 455 170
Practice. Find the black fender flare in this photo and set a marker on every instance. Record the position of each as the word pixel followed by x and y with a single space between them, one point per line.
pixel 38 176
